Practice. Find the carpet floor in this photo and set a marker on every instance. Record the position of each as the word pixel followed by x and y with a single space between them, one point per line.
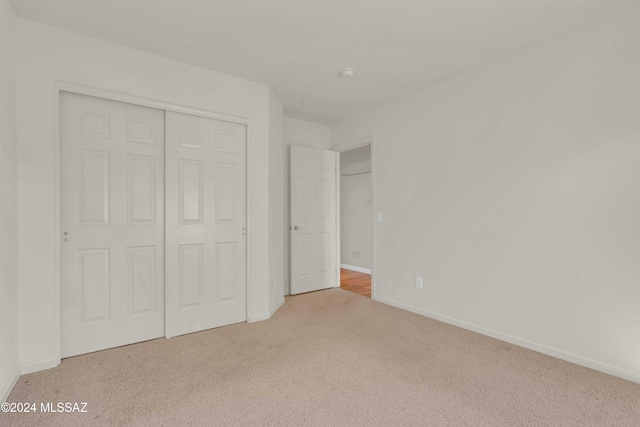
pixel 329 358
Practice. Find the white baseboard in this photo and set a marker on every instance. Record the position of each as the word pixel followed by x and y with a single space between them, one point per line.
pixel 265 316
pixel 277 307
pixel 39 366
pixel 540 348
pixel 6 390
pixel 354 268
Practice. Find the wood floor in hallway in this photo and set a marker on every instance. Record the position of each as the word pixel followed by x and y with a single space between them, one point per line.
pixel 353 281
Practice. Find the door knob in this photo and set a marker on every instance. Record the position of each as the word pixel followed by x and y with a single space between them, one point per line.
pixel 295 227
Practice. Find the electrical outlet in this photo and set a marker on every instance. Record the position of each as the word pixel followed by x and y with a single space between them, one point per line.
pixel 419 284
pixel 356 254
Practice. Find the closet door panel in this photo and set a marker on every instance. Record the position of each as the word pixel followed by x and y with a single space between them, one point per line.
pixel 206 223
pixel 112 218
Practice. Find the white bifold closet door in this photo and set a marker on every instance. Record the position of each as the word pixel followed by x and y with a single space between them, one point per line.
pixel 206 245
pixel 112 218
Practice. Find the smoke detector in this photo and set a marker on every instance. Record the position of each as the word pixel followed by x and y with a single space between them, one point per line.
pixel 347 72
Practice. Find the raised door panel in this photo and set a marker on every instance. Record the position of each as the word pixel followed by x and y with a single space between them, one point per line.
pixel 324 253
pixel 304 198
pixel 191 191
pixel 95 283
pixel 226 271
pixel 226 142
pixel 141 189
pixel 142 279
pixel 141 131
pixel 93 193
pixel 225 192
pixel 191 267
pixel 190 136
pixel 304 254
pixel 324 202
pixel 94 124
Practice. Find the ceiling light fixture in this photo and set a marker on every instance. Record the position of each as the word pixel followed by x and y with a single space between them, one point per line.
pixel 347 72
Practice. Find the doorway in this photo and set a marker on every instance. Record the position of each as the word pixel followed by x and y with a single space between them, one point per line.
pixel 356 220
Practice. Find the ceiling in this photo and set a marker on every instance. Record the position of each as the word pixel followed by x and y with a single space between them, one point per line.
pixel 298 47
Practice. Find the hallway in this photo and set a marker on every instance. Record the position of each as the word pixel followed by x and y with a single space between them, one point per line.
pixel 353 281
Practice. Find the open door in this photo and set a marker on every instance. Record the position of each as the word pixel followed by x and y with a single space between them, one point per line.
pixel 313 227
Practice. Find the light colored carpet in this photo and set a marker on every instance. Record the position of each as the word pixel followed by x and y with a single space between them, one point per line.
pixel 329 358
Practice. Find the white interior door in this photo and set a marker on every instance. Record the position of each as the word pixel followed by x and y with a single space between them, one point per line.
pixel 112 213
pixel 206 223
pixel 313 228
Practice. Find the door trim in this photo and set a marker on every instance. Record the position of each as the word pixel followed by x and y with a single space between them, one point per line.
pixel 61 86
pixel 357 143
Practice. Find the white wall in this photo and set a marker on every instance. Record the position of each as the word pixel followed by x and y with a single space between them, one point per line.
pixel 46 54
pixel 512 189
pixel 9 369
pixel 276 202
pixel 308 134
pixel 356 208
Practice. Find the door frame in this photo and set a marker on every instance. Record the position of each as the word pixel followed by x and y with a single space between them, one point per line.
pixel 357 143
pixel 61 86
